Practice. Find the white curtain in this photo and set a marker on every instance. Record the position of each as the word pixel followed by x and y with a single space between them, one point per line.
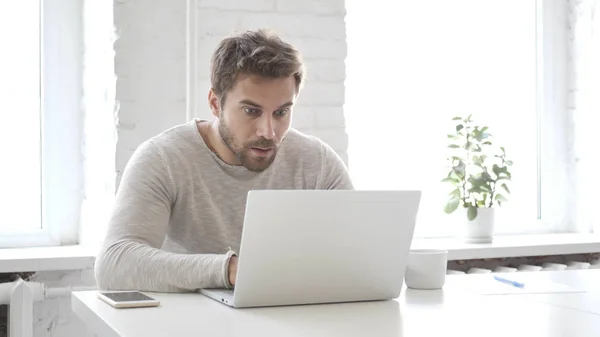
pixel 584 105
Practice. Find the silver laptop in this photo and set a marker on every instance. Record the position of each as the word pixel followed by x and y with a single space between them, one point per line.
pixel 322 246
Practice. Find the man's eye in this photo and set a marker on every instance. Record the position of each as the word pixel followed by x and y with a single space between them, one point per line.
pixel 250 111
pixel 281 112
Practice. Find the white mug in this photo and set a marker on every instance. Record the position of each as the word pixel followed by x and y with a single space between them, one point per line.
pixel 426 269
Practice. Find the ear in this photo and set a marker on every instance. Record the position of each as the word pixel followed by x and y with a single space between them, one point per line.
pixel 213 102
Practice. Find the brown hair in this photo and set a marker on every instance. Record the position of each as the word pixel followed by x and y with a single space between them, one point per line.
pixel 259 53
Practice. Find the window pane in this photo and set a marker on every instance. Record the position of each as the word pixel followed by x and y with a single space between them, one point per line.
pixel 20 206
pixel 415 65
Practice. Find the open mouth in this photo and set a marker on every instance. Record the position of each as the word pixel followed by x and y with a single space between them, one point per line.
pixel 262 151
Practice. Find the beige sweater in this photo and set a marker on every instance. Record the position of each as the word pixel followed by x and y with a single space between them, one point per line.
pixel 179 209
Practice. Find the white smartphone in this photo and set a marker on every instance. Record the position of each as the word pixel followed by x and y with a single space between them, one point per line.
pixel 127 299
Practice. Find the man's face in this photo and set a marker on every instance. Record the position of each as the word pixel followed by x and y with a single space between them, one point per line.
pixel 255 117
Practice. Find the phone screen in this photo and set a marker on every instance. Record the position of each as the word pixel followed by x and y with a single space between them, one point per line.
pixel 129 296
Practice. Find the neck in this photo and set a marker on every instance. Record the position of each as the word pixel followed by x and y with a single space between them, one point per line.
pixel 216 144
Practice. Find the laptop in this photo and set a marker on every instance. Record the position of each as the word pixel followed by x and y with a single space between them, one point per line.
pixel 322 246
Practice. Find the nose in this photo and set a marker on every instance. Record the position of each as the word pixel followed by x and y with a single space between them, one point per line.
pixel 265 127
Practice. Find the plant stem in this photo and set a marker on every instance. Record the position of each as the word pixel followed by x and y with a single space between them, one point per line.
pixel 492 194
pixel 492 187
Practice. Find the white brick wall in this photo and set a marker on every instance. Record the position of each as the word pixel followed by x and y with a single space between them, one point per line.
pixel 150 68
pixel 583 104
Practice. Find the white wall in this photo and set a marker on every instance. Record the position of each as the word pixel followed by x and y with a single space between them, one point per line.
pixel 150 64
pixel 150 68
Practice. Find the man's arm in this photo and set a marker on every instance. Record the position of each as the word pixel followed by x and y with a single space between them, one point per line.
pixel 334 173
pixel 131 257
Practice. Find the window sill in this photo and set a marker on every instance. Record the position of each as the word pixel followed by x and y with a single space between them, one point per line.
pixel 81 257
pixel 13 260
pixel 514 246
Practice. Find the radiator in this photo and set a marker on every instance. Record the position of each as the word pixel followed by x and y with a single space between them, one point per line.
pixel 20 296
pixel 547 266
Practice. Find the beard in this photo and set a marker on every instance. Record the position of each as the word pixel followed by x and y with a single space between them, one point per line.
pixel 243 152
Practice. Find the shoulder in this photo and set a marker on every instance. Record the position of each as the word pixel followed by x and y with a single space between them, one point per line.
pixel 172 145
pixel 163 149
pixel 302 144
pixel 311 153
pixel 176 136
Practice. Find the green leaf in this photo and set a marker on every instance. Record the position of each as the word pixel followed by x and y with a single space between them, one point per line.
pixel 477 160
pixel 485 188
pixel 481 135
pixel 459 127
pixel 452 205
pixel 487 142
pixel 450 180
pixel 496 169
pixel 453 146
pixel 455 193
pixel 502 148
pixel 454 175
pixel 500 198
pixel 474 189
pixel 475 179
pixel 505 188
pixel 459 170
pixel 472 212
pixel 509 162
pixel 457 118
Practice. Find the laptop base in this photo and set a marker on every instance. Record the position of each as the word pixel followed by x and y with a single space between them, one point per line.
pixel 224 296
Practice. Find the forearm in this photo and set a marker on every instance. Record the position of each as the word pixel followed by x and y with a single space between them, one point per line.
pixel 130 265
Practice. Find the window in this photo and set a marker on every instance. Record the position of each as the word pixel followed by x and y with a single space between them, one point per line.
pixel 40 122
pixel 412 66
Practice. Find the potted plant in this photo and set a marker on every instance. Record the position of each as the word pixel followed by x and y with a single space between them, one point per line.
pixel 478 173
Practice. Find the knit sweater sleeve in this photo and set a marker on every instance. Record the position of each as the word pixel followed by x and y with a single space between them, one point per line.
pixel 130 257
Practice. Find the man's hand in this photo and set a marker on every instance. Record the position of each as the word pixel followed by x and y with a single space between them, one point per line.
pixel 232 269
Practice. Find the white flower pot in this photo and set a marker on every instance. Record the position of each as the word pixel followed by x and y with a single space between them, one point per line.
pixel 481 229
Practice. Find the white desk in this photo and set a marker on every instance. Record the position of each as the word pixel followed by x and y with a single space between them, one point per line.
pixel 452 311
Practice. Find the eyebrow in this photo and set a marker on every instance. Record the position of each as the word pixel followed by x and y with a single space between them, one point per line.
pixel 256 105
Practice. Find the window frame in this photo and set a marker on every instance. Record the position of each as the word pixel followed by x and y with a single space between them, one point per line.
pixel 555 161
pixel 61 128
pixel 555 131
pixel 554 155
